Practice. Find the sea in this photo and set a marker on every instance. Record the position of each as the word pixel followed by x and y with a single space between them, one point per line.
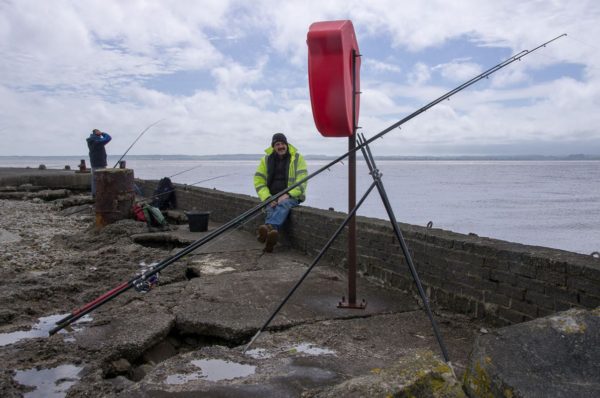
pixel 550 203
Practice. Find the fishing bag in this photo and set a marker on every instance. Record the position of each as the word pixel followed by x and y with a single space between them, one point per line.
pixel 154 217
pixel 164 195
pixel 138 213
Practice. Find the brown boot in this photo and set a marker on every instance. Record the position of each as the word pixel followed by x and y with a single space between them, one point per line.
pixel 272 238
pixel 261 233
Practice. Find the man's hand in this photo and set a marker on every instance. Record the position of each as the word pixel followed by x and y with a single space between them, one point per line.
pixel 283 197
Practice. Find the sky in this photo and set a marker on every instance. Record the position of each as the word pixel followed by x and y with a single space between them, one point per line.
pixel 220 77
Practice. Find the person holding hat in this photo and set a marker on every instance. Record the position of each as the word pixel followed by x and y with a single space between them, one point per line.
pixel 281 167
pixel 96 142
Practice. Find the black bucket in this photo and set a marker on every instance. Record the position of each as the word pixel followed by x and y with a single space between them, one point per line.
pixel 198 220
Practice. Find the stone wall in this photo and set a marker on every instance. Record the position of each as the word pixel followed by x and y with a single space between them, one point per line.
pixel 503 282
pixel 53 179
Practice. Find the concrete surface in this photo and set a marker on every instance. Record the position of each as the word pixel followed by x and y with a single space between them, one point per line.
pixel 555 356
pixel 186 337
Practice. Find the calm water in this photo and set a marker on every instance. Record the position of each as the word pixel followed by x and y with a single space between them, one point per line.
pixel 546 203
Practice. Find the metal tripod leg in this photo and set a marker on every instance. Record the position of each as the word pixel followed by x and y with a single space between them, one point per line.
pixel 312 265
pixel 377 178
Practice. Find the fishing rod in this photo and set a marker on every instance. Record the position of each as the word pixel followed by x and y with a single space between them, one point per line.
pixel 136 140
pixel 87 308
pixel 185 171
pixel 185 187
pixel 144 199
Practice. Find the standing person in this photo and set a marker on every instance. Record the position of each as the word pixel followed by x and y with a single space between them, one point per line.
pixel 281 167
pixel 96 142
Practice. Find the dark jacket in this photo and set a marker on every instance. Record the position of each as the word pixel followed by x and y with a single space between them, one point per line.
pixel 96 144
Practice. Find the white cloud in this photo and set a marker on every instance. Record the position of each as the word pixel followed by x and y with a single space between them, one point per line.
pixel 381 66
pixel 69 66
pixel 458 71
pixel 420 74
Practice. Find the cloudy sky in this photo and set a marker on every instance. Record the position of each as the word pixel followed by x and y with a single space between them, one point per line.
pixel 224 75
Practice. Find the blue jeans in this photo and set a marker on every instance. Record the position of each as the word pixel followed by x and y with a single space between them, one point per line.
pixel 94 180
pixel 277 215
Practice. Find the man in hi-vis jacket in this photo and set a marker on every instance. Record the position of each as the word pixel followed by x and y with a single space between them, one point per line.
pixel 281 167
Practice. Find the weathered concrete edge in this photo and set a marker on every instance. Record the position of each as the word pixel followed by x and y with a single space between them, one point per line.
pixel 67 179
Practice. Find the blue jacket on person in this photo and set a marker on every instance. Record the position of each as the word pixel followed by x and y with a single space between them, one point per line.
pixel 96 144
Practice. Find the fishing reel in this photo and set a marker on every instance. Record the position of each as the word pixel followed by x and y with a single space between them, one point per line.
pixel 143 285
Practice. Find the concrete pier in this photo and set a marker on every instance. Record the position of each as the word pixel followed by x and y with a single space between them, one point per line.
pixel 185 337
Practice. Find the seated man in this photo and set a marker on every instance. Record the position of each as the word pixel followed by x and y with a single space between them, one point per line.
pixel 281 167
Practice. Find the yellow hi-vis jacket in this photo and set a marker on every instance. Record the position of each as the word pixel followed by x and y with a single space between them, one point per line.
pixel 296 171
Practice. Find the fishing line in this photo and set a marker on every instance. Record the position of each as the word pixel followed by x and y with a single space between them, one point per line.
pixel 584 43
pixel 185 171
pixel 136 140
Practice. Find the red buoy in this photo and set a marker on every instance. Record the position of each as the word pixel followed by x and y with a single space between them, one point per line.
pixel 332 52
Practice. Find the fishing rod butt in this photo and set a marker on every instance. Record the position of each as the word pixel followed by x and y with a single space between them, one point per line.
pixel 56 329
pixel 63 323
pixel 251 341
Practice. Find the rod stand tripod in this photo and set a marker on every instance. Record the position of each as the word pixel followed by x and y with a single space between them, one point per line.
pixel 377 183
pixel 376 174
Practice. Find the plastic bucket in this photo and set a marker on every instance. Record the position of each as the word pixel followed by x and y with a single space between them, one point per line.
pixel 198 220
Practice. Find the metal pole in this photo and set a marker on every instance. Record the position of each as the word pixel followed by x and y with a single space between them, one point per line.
pixel 351 254
pixel 388 207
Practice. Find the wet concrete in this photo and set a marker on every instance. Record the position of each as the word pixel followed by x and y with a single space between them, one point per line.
pixel 186 336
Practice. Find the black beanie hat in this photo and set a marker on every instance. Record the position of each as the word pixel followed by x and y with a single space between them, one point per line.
pixel 278 137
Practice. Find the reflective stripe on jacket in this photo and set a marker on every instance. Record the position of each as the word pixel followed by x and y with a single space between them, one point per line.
pixel 296 171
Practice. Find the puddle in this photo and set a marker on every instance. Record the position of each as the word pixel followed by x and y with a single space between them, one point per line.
pixel 213 370
pixel 311 349
pixel 212 266
pixel 211 270
pixel 259 353
pixel 181 378
pixel 304 348
pixel 51 383
pixel 41 329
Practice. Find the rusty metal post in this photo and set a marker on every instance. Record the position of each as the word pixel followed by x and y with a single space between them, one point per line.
pixel 351 303
pixel 114 195
pixel 352 223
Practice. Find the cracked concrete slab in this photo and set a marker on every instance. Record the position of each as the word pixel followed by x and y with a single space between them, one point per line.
pixel 357 357
pixel 234 306
pixel 217 295
pixel 127 332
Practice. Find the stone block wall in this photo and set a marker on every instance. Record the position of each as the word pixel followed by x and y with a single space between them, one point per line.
pixel 53 179
pixel 501 281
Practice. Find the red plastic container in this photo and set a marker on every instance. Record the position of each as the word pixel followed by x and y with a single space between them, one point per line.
pixel 331 47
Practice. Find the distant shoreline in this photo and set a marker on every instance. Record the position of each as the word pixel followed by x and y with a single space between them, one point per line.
pixel 237 157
